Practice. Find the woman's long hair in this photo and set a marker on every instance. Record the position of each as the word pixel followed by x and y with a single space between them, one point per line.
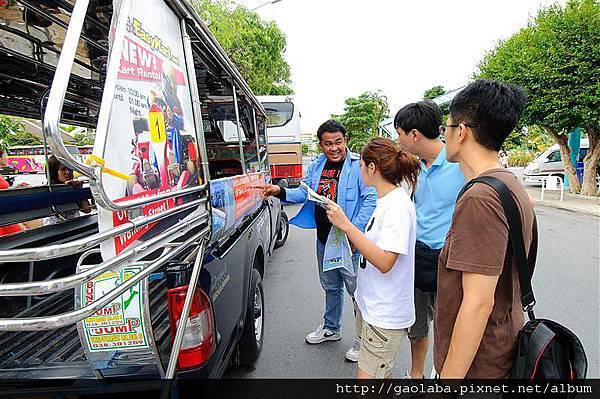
pixel 394 164
pixel 53 166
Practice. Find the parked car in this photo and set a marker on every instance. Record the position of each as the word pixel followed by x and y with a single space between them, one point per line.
pixel 550 163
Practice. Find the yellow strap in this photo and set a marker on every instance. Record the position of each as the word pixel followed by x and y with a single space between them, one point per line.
pixel 99 161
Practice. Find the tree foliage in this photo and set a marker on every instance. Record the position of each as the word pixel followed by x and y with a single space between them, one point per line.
pixel 555 58
pixel 434 92
pixel 24 137
pixel 533 139
pixel 362 116
pixel 13 132
pixel 9 126
pixel 255 46
pixel 84 138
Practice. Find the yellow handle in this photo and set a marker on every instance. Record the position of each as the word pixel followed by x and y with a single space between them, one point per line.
pixel 99 161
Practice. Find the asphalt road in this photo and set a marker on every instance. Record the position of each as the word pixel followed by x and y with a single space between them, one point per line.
pixel 566 283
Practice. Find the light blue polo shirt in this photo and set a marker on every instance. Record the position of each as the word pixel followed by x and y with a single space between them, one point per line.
pixel 437 189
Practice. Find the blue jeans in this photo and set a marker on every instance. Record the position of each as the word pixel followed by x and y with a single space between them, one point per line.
pixel 333 282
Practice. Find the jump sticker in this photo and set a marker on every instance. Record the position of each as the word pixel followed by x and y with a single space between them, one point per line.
pixel 120 324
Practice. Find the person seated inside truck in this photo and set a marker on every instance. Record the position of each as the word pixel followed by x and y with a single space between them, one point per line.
pixel 60 174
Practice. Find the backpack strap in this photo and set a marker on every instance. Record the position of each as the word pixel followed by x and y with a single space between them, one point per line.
pixel 515 233
pixel 541 337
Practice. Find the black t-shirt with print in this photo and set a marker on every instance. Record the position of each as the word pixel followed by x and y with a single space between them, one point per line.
pixel 328 187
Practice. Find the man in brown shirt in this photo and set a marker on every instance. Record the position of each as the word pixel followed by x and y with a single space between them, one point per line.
pixel 478 310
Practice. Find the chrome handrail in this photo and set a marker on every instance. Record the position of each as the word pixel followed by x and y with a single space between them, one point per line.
pixel 68 318
pixel 104 201
pixel 63 283
pixel 83 244
pixel 58 91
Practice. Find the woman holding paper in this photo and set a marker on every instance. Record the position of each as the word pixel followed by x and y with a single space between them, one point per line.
pixel 384 293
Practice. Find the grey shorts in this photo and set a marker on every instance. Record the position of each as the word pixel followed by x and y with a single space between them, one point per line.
pixel 424 307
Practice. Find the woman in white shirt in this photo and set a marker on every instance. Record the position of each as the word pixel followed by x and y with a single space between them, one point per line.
pixel 385 281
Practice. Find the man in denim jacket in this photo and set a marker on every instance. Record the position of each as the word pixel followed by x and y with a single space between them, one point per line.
pixel 335 174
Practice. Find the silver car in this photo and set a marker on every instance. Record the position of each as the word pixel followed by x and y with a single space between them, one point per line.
pixel 550 163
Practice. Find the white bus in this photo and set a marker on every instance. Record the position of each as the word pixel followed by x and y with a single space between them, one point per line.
pixel 283 131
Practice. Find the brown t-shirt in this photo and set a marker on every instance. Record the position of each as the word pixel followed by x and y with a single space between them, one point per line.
pixel 478 243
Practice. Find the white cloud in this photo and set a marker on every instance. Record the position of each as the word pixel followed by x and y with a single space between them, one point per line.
pixel 340 48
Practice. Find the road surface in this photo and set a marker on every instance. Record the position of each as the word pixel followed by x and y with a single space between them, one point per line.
pixel 566 283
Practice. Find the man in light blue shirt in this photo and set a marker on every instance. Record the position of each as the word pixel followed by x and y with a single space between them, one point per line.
pixel 438 186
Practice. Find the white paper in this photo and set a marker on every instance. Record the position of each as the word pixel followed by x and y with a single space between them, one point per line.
pixel 313 196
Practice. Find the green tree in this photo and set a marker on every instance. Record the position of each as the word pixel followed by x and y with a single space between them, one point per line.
pixel 434 92
pixel 13 132
pixel 24 137
pixel 555 58
pixel 9 126
pixel 68 128
pixel 362 116
pixel 533 139
pixel 257 47
pixel 305 149
pixel 84 138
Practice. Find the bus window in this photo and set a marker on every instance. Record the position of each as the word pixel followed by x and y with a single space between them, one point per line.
pixel 262 142
pixel 248 127
pixel 279 114
pixel 283 130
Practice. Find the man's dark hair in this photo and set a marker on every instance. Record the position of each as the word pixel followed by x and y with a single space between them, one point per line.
pixel 494 109
pixel 330 126
pixel 424 116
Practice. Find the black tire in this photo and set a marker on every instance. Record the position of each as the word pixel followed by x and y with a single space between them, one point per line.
pixel 283 230
pixel 252 338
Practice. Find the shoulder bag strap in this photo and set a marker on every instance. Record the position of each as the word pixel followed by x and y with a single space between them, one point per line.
pixel 515 233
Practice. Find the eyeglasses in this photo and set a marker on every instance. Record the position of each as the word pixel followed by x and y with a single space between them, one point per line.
pixel 442 128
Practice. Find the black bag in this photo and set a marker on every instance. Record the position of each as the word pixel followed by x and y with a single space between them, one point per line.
pixel 426 266
pixel 545 349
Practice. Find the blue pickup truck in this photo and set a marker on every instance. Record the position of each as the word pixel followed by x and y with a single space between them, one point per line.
pixel 105 293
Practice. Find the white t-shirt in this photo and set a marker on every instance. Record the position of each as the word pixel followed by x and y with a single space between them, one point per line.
pixel 387 300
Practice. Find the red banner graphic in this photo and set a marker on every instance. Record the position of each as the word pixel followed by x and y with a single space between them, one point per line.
pixel 247 193
pixel 121 217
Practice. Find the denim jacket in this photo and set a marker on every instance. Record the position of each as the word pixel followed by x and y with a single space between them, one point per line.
pixel 357 200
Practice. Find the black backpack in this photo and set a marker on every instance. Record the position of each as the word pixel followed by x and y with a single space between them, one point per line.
pixel 545 349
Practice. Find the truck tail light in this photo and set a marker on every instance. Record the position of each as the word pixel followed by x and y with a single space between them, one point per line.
pixel 199 339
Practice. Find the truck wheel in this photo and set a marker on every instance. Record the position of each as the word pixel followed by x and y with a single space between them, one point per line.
pixel 251 341
pixel 284 229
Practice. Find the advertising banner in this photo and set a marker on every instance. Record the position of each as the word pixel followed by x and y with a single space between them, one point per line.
pixel 233 198
pixel 151 138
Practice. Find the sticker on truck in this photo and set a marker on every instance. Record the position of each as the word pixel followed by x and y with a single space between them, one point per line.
pixel 120 324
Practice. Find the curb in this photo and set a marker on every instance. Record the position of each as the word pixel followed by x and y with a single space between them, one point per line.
pixel 567 208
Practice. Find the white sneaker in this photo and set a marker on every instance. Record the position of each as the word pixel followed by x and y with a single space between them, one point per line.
pixel 352 352
pixel 321 335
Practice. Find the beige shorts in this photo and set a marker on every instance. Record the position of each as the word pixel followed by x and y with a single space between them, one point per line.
pixel 379 348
